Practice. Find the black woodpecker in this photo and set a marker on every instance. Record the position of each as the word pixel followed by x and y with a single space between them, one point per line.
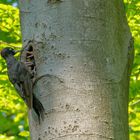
pixel 21 78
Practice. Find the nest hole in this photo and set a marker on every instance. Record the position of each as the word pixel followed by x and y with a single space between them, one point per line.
pixel 30 60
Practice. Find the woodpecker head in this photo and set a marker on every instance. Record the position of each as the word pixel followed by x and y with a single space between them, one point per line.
pixel 7 52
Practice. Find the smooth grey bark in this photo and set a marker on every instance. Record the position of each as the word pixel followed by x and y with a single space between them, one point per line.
pixel 82 49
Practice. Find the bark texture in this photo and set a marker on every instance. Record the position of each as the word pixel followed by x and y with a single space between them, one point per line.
pixel 81 49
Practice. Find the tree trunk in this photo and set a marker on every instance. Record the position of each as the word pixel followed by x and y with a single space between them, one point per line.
pixel 81 50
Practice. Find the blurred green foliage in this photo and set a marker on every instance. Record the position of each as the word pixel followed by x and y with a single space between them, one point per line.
pixel 132 8
pixel 11 2
pixel 9 24
pixel 13 112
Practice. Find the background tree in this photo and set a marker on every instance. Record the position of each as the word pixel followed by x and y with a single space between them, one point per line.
pixel 132 8
pixel 12 111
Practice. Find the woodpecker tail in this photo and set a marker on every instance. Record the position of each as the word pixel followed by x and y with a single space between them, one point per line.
pixel 38 108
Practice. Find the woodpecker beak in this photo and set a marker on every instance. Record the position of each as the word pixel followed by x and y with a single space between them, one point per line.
pixel 16 51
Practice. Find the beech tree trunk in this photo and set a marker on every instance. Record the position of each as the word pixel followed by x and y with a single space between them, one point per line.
pixel 82 52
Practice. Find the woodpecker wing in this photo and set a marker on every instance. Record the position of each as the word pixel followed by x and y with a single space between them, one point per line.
pixel 26 84
pixel 13 75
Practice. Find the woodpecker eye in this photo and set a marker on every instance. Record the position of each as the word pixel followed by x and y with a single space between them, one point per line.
pixel 10 49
